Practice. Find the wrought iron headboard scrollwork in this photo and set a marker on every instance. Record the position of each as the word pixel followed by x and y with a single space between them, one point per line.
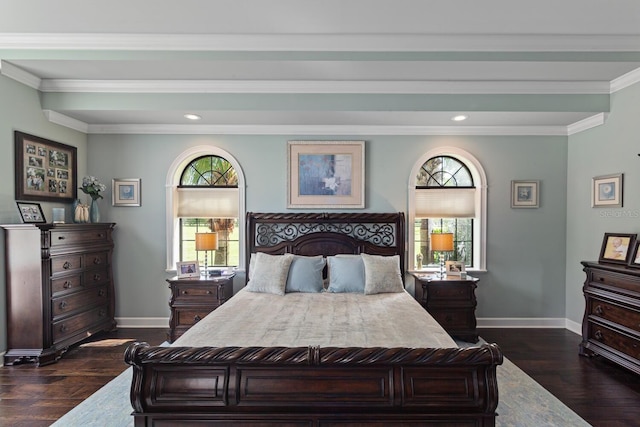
pixel 326 234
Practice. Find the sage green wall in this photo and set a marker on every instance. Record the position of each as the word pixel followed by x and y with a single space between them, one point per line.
pixel 20 110
pixel 526 247
pixel 607 149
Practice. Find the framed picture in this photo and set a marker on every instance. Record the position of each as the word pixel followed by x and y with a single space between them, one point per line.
pixel 617 248
pixel 125 192
pixel 606 191
pixel 188 269
pixel 454 268
pixel 325 174
pixel 525 194
pixel 634 260
pixel 31 212
pixel 44 170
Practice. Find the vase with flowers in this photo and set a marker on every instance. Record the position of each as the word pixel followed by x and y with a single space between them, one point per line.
pixel 93 187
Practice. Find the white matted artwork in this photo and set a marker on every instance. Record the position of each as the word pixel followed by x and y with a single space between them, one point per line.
pixel 126 192
pixel 325 174
pixel 525 194
pixel 606 191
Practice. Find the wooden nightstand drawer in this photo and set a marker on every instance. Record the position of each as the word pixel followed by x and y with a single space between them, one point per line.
pixel 451 291
pixel 189 317
pixel 186 291
pixel 453 318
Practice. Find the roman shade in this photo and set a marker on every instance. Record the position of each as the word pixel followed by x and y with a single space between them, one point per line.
pixel 445 202
pixel 208 202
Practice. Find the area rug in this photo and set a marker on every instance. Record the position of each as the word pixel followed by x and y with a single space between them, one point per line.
pixel 522 403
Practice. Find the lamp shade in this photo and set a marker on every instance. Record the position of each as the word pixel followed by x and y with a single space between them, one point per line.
pixel 442 242
pixel 206 241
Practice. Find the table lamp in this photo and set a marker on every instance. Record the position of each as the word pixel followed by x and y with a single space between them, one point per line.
pixel 442 242
pixel 206 242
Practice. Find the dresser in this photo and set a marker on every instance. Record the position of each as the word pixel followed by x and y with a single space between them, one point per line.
pixel 451 300
pixel 192 298
pixel 611 323
pixel 59 288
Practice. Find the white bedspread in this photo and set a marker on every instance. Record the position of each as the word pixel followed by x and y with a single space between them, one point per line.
pixel 318 319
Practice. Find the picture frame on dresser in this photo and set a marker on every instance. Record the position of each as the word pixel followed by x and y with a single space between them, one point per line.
pixel 634 260
pixel 187 269
pixel 31 213
pixel 617 248
pixel 45 170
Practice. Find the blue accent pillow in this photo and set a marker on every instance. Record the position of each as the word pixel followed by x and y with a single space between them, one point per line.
pixel 346 274
pixel 305 274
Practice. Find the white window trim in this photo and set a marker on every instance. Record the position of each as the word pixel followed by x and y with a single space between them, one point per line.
pixel 173 180
pixel 480 182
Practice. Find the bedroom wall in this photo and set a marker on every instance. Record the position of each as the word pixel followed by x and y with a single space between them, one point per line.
pixel 607 149
pixel 526 247
pixel 20 110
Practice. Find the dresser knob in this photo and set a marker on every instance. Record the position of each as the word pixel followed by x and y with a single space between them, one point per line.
pixel 208 292
pixel 63 328
pixel 101 293
pixel 102 313
pixel 448 318
pixel 101 235
pixel 598 335
pixel 67 284
pixel 598 310
pixel 184 292
pixel 60 237
pixel 63 305
pixel 96 277
pixel 97 260
pixel 66 265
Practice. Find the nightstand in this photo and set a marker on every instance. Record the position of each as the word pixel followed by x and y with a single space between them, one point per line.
pixel 192 298
pixel 451 300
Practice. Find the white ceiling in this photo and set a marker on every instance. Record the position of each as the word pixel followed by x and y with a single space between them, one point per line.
pixel 323 67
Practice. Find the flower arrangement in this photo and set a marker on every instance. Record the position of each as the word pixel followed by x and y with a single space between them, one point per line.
pixel 92 187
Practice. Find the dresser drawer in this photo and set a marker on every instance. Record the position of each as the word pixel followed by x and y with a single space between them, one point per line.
pixel 96 259
pixel 66 284
pixel 626 282
pixel 451 291
pixel 69 327
pixel 615 313
pixel 191 316
pixel 95 277
pixel 623 343
pixel 77 237
pixel 201 293
pixel 79 301
pixel 65 263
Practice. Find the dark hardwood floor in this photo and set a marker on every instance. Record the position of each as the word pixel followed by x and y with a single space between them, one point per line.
pixel 602 393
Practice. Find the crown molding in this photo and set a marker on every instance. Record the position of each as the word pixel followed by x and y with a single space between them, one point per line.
pixel 18 74
pixel 66 121
pixel 316 86
pixel 325 42
pixel 328 130
pixel 588 123
pixel 625 80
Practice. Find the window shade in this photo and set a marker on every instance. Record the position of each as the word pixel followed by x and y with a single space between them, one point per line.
pixel 446 203
pixel 208 202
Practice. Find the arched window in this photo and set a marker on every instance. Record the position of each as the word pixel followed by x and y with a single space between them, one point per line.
pixel 447 195
pixel 205 193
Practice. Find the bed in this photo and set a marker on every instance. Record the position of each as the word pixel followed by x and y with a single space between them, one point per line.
pixel 337 359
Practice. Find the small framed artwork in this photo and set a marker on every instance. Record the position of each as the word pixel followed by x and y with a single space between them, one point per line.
pixel 325 174
pixel 44 170
pixel 454 268
pixel 606 191
pixel 188 269
pixel 617 248
pixel 125 192
pixel 31 212
pixel 634 260
pixel 525 194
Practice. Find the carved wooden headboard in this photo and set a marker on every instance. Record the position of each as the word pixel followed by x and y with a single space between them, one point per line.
pixel 326 234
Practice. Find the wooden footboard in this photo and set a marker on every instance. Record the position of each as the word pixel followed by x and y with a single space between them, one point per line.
pixel 281 386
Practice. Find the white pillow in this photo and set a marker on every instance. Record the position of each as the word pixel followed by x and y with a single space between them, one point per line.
pixel 382 274
pixel 269 274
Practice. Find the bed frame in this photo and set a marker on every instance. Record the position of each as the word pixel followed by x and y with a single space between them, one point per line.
pixel 316 386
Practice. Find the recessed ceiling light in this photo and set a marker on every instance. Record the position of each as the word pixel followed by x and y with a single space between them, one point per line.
pixel 459 118
pixel 192 116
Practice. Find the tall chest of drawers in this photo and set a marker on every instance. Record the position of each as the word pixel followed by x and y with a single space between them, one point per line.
pixel 611 323
pixel 59 288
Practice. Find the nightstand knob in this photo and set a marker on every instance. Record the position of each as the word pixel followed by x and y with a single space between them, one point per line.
pixel 598 310
pixel 197 318
pixel 598 335
pixel 208 292
pixel 184 292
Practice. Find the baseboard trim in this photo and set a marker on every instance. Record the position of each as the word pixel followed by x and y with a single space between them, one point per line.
pixel 483 322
